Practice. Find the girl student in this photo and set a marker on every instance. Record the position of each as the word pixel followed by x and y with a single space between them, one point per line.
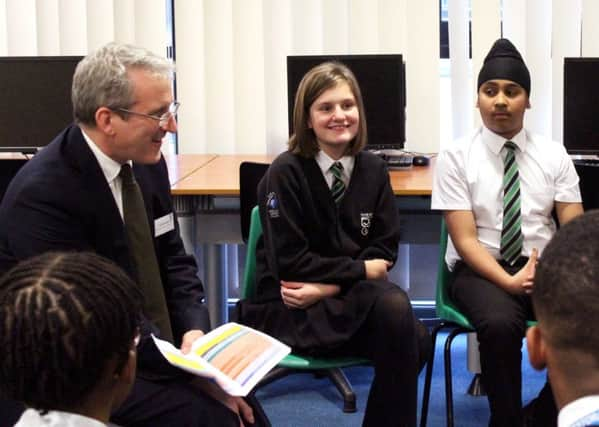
pixel 331 233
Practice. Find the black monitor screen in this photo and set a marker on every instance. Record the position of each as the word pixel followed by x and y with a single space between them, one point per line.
pixel 36 100
pixel 581 105
pixel 382 83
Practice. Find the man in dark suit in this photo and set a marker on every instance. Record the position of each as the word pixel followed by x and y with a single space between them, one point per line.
pixel 70 197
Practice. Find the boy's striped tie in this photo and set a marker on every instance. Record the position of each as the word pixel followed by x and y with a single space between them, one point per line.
pixel 511 233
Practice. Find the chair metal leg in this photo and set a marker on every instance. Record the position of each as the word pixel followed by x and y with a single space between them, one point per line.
pixel 426 393
pixel 338 378
pixel 276 373
pixel 448 377
pixel 476 387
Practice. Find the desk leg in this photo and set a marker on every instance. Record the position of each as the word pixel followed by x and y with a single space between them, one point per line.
pixel 476 387
pixel 473 354
pixel 216 274
pixel 185 207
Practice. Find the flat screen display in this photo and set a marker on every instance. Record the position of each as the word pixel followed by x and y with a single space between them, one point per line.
pixel 382 83
pixel 581 105
pixel 35 104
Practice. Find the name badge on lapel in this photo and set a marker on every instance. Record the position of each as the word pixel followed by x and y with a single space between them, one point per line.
pixel 164 224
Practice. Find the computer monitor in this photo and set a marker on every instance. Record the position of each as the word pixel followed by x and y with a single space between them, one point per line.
pixel 581 105
pixel 36 100
pixel 382 83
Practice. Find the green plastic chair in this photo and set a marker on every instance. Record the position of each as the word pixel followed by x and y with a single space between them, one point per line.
pixel 450 317
pixel 331 367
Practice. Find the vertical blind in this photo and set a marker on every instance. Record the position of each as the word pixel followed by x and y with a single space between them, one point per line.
pixel 231 55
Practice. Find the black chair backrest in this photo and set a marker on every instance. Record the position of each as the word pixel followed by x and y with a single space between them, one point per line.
pixel 250 174
pixel 8 169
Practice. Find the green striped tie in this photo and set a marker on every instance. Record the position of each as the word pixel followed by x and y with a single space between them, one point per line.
pixel 338 187
pixel 511 234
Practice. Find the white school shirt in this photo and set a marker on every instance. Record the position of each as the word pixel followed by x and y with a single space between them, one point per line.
pixel 576 410
pixel 469 176
pixel 33 418
pixel 325 163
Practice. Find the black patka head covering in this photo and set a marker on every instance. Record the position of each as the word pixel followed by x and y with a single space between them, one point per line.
pixel 505 62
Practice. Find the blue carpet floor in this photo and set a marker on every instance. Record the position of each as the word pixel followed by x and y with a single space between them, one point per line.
pixel 303 400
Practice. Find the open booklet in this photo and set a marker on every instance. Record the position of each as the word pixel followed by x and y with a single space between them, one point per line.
pixel 236 357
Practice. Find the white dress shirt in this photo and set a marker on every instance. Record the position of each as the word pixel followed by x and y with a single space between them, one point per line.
pixel 110 169
pixel 325 163
pixel 469 176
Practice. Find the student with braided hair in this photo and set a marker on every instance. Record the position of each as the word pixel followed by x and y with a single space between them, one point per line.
pixel 68 333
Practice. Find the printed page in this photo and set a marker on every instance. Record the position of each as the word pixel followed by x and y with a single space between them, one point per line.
pixel 235 356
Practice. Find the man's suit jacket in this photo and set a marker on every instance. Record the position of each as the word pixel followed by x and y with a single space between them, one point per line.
pixel 60 200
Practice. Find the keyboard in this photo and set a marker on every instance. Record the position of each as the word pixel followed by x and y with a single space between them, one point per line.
pixel 587 162
pixel 396 159
pixel 403 161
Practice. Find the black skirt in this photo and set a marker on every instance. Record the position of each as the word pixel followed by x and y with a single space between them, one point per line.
pixel 320 328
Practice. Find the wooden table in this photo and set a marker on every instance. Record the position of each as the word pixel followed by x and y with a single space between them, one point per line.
pixel 184 165
pixel 416 181
pixel 218 177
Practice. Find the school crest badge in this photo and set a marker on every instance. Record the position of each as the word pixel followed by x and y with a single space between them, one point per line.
pixel 272 205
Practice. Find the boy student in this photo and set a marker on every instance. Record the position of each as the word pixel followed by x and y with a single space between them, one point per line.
pixel 68 335
pixel 497 189
pixel 566 301
pixel 331 231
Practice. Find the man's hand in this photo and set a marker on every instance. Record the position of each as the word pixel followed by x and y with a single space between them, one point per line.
pixel 241 408
pixel 302 295
pixel 377 268
pixel 188 338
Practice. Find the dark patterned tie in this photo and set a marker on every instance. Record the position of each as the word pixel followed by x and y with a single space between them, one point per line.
pixel 142 251
pixel 511 233
pixel 338 187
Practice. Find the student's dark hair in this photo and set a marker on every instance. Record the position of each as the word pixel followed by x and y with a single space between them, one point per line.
pixel 316 81
pixel 566 289
pixel 63 316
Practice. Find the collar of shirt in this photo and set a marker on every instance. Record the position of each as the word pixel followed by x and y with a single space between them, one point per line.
pixel 496 142
pixel 577 409
pixel 32 417
pixel 325 163
pixel 110 169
